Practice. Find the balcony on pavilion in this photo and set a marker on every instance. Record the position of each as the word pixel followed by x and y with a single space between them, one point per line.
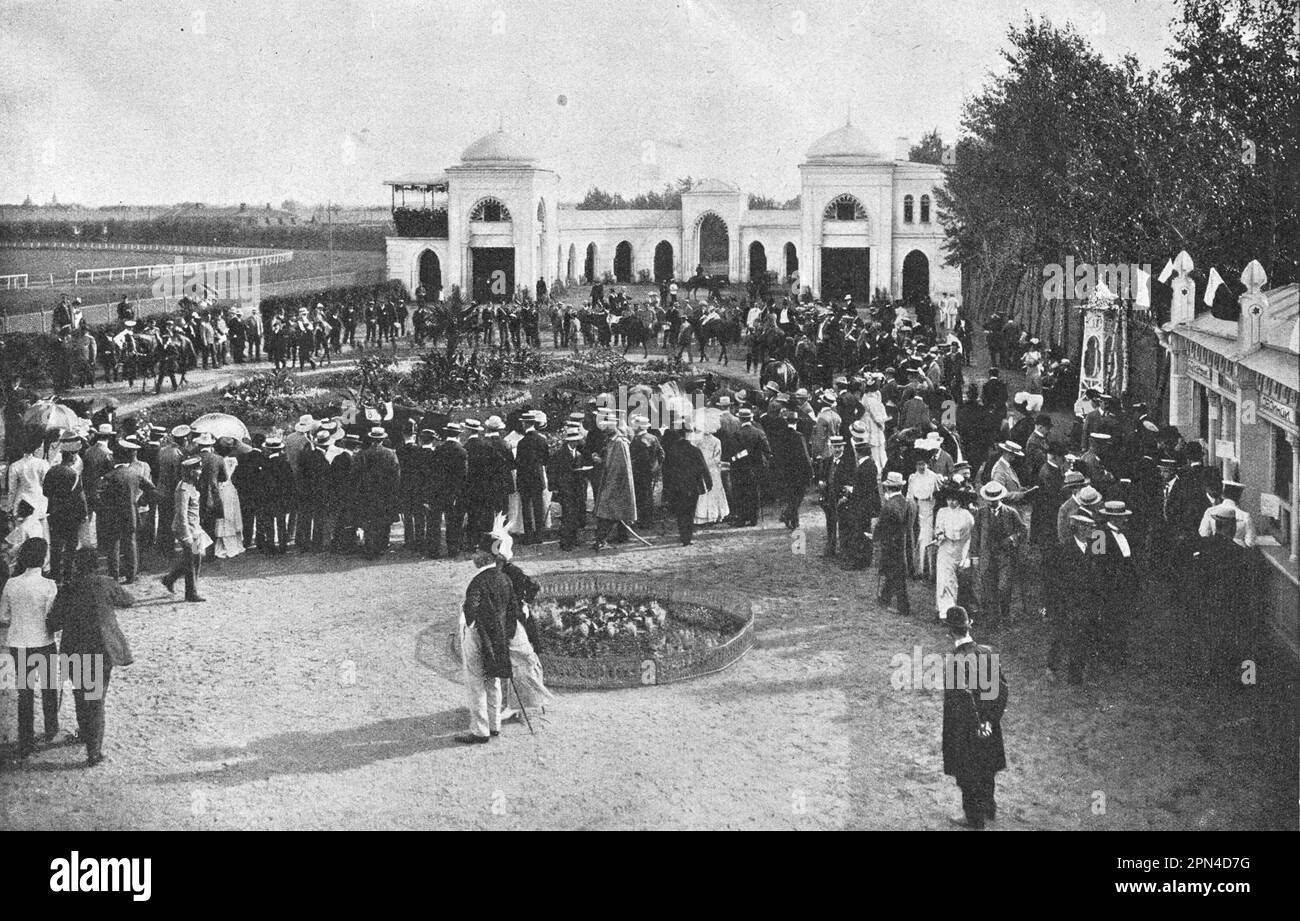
pixel 420 205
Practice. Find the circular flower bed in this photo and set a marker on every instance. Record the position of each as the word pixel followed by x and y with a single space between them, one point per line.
pixel 607 630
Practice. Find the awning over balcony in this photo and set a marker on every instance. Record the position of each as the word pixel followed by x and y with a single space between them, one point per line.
pixel 433 181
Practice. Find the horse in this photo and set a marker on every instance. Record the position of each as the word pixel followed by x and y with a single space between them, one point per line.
pixel 712 327
pixel 783 372
pixel 714 284
pixel 634 331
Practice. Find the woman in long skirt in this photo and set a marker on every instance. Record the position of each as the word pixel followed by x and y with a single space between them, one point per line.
pixel 230 526
pixel 922 487
pixel 952 531
pixel 712 506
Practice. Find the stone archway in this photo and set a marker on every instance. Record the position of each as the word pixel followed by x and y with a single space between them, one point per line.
pixel 757 261
pixel 623 263
pixel 429 274
pixel 916 277
pixel 663 261
pixel 713 252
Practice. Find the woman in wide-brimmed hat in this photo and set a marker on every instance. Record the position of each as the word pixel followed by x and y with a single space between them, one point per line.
pixel 953 524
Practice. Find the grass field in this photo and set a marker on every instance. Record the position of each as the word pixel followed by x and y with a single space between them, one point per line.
pixel 62 262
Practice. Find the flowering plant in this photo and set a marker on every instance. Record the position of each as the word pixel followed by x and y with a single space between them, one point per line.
pixel 613 625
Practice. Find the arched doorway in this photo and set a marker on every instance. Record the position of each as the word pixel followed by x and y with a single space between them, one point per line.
pixel 757 261
pixel 916 277
pixel 589 265
pixel 623 263
pixel 663 261
pixel 430 274
pixel 791 260
pixel 715 245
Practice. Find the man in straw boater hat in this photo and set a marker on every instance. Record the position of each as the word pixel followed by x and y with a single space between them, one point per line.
pixel 828 497
pixel 1004 471
pixel 1119 583
pixel 445 488
pixel 379 501
pixel 752 453
pixel 1074 604
pixel 569 483
pixel 1244 533
pixel 974 701
pixel 856 492
pixel 995 550
pixel 892 536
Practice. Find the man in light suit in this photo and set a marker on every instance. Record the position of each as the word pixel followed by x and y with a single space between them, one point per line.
pixel 995 549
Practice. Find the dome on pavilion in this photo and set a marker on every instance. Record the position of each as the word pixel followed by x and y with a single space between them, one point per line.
pixel 498 148
pixel 843 145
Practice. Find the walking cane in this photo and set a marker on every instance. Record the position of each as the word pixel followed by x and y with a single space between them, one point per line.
pixel 522 708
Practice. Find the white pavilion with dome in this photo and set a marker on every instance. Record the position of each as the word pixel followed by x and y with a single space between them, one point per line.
pixel 492 223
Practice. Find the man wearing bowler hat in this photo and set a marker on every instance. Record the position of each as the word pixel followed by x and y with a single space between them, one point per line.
pixel 974 701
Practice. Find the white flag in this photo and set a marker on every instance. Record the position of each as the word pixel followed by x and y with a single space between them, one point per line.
pixel 1211 286
pixel 1142 292
pixel 1166 272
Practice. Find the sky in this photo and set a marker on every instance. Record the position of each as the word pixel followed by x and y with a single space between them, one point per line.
pixel 227 101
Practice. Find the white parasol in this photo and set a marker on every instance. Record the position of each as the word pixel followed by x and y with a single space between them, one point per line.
pixel 46 414
pixel 220 425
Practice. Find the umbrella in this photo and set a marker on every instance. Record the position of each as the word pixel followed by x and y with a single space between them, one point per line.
pixel 219 424
pixel 46 414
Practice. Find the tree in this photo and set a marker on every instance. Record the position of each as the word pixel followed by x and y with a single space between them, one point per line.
pixel 929 150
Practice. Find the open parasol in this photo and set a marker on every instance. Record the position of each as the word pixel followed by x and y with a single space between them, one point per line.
pixel 46 414
pixel 219 425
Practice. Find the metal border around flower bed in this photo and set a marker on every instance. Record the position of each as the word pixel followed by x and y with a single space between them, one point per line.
pixel 635 671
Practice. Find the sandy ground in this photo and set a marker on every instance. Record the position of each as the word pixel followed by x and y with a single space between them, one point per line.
pixel 292 699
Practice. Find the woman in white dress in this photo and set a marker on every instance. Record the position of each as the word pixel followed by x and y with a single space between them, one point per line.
pixel 921 489
pixel 230 526
pixel 952 530
pixel 712 506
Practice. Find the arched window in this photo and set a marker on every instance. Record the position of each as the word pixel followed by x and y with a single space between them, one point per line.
pixel 845 208
pixel 925 209
pixel 490 209
pixel 907 209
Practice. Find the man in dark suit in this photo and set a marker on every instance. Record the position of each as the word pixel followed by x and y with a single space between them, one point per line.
pixel 686 478
pixel 531 456
pixel 490 625
pixel 408 489
pixel 856 490
pixel 84 611
pixel 974 701
pixel 570 486
pixel 829 498
pixel 343 517
pixel 445 488
pixel 248 480
pixel 170 456
pixel 892 536
pixel 212 473
pixel 67 507
pixel 378 476
pixel 994 393
pixel 995 550
pixel 1075 614
pixel 313 494
pixel 647 459
pixel 750 460
pixel 121 492
pixel 791 465
pixel 1119 583
pixel 273 513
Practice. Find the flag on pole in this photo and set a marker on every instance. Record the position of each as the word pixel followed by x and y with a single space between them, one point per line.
pixel 1142 289
pixel 1212 286
pixel 1166 272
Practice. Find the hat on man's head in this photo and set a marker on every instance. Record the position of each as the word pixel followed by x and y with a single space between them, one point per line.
pixel 128 444
pixel 190 463
pixel 836 441
pixel 105 430
pixel 993 491
pixel 574 435
pixel 802 394
pixel 957 618
pixel 1074 478
pixel 494 424
pixel 893 480
pixel 305 422
pixel 745 414
pixel 1099 436
pixel 273 443
pixel 724 401
pixel 858 433
pixel 772 386
pixel 350 441
pixel 322 436
pixel 70 442
pixel 377 433
pixel 1011 448
pixel 182 431
pixel 451 429
pixel 1115 509
pixel 473 426
pixel 1088 497
pixel 1082 517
